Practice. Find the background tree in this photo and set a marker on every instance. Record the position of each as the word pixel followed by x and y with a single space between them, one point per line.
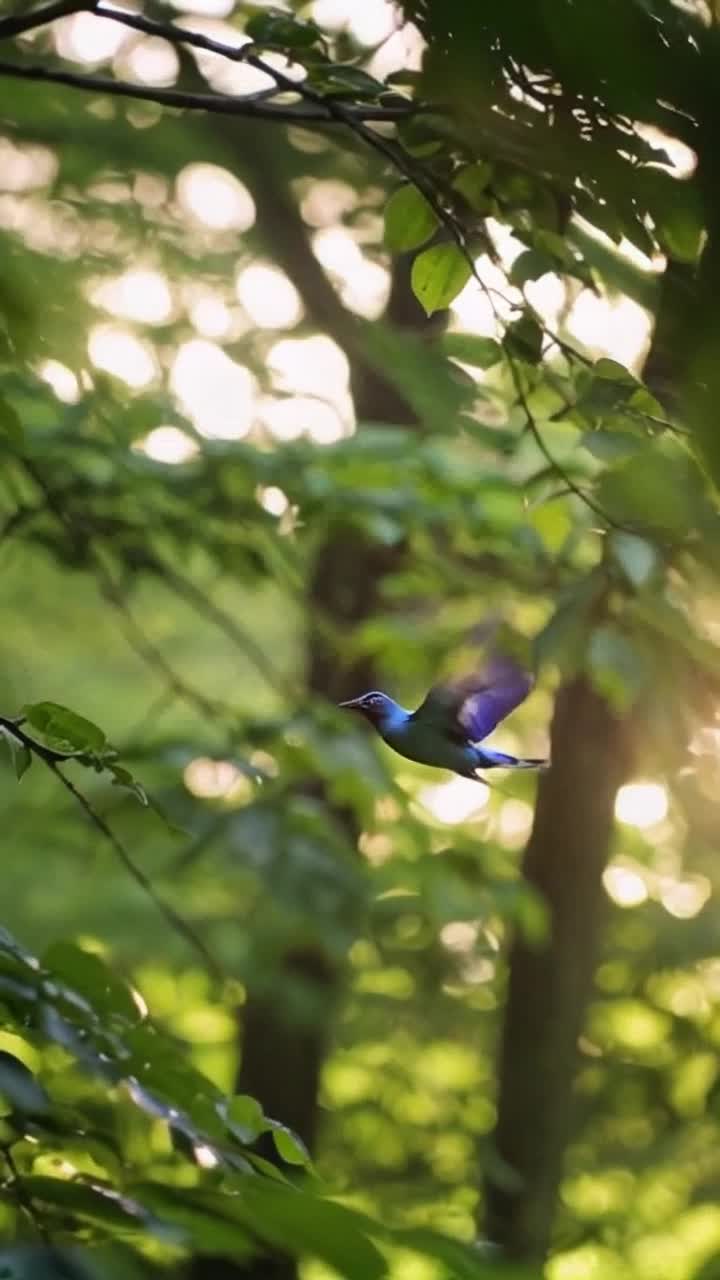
pixel 244 477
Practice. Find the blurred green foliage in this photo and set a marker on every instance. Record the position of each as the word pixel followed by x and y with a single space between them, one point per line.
pixel 179 447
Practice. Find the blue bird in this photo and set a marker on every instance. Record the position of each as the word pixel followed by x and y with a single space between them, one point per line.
pixel 449 727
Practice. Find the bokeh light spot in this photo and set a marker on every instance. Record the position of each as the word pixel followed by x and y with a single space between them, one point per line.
pixel 62 380
pixel 625 886
pixel 216 393
pixel 641 804
pixel 215 197
pixel 270 299
pixel 168 444
pixel 140 294
pixel 455 801
pixel 121 353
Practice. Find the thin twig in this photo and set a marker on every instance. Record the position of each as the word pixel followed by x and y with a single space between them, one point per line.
pixel 176 921
pixel 53 759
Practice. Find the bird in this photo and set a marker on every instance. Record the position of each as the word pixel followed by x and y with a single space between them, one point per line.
pixel 447 731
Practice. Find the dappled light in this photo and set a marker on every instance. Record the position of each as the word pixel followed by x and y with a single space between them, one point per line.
pixel 625 885
pixel 140 294
pixel 216 779
pixel 62 380
pixel 214 391
pixel 296 416
pixel 364 285
pixel 83 37
pixel 168 444
pixel 215 198
pixel 270 299
pixel 685 898
pixel 455 801
pixel 120 352
pixel 151 62
pixel 642 804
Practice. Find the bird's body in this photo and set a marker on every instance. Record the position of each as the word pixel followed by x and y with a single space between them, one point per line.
pixel 448 729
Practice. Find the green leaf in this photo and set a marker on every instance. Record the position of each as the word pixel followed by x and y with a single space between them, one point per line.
pixel 610 386
pixel 288 1146
pixel 10 425
pixel 654 490
pixel 530 265
pixel 63 729
pixel 552 245
pixel 616 372
pixel 19 1087
pixel 552 522
pixel 289 1219
pixel 86 973
pixel 463 1261
pixel 23 760
pixel 616 666
pixel 203 1221
pixel 472 349
pixel 21 755
pixel 472 182
pixel 609 446
pixel 637 557
pixel 438 275
pixel 86 1200
pixel 681 222
pixel 524 339
pixel 123 778
pixel 279 27
pixel 353 80
pixel 409 220
pixel 245 1117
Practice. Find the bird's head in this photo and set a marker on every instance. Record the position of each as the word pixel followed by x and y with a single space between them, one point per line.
pixel 375 706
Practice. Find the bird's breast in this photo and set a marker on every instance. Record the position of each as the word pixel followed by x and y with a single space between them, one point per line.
pixel 417 742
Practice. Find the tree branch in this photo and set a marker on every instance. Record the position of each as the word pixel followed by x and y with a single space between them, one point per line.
pixel 53 759
pixel 249 107
pixel 17 24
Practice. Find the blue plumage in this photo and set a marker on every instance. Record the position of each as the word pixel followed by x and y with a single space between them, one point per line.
pixel 448 728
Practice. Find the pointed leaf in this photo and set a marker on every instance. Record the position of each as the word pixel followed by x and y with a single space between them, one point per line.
pixel 472 182
pixel 64 729
pixel 245 1117
pixel 278 26
pixel 19 1087
pixel 409 220
pixel 530 265
pixel 86 973
pixel 473 349
pixel 438 275
pixel 288 1146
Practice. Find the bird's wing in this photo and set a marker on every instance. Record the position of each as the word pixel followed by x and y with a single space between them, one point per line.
pixel 469 709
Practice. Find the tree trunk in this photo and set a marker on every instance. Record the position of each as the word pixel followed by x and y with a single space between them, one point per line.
pixel 549 987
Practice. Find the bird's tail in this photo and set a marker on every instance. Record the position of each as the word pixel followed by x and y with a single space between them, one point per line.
pixel 499 760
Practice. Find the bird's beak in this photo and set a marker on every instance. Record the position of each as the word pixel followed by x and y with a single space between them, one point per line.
pixel 353 704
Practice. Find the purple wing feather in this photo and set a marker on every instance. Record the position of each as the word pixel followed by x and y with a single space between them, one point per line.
pixel 504 686
pixel 472 707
